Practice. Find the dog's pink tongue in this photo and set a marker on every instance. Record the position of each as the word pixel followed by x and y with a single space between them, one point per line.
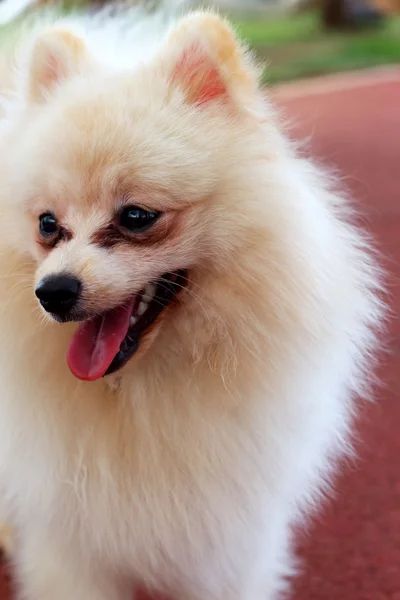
pixel 97 341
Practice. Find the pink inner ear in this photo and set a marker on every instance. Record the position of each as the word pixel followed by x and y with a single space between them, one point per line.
pixel 200 77
pixel 52 70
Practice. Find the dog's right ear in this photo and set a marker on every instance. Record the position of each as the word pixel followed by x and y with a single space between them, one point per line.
pixel 57 55
pixel 204 59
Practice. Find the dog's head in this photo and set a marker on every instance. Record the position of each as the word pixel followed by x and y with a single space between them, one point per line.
pixel 129 181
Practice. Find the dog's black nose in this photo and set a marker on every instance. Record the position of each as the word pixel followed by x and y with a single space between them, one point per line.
pixel 58 294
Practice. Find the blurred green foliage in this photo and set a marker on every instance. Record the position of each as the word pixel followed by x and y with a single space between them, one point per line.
pixel 296 45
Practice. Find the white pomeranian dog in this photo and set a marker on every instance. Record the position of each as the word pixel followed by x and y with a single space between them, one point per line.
pixel 187 314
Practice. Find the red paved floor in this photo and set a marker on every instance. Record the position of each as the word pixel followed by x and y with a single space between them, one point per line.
pixel 353 551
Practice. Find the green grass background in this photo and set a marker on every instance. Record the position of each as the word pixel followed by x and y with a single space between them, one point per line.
pixel 296 45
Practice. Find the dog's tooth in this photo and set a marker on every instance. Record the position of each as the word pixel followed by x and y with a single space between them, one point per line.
pixel 133 320
pixel 149 292
pixel 143 306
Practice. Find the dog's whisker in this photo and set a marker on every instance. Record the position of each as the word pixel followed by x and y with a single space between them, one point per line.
pixel 195 296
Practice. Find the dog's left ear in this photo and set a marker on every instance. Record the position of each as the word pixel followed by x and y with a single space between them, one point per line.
pixel 207 62
pixel 57 55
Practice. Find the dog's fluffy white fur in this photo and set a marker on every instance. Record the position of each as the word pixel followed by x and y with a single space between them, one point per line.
pixel 186 472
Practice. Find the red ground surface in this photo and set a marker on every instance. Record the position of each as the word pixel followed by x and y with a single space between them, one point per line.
pixel 353 550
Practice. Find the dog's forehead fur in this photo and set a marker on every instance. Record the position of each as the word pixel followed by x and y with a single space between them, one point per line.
pixel 105 144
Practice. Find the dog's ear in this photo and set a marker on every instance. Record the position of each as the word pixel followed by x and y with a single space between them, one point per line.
pixel 57 54
pixel 206 61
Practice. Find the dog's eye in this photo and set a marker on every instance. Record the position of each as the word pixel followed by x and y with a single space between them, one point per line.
pixel 48 224
pixel 135 218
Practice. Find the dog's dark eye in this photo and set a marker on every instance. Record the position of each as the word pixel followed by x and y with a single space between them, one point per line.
pixel 48 224
pixel 135 218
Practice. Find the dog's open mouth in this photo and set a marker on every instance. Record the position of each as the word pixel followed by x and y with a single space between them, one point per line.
pixel 104 344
